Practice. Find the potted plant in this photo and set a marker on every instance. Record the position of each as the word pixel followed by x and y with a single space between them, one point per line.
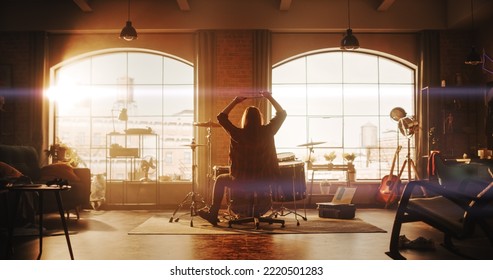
pixel 350 157
pixel 330 157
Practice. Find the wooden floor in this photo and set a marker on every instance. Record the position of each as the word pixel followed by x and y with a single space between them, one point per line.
pixel 103 235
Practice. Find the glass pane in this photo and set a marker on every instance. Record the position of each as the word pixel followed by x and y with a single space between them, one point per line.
pixel 292 72
pixel 109 68
pixel 324 68
pixel 324 99
pixel 396 96
pixel 292 132
pixel 177 99
pixel 328 130
pixel 292 98
pixel 177 72
pixel 354 128
pixel 360 68
pixel 145 69
pixel 147 101
pixel 393 72
pixel 361 99
pixel 77 73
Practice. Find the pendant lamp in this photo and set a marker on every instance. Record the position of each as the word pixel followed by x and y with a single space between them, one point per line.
pixel 349 42
pixel 473 58
pixel 128 32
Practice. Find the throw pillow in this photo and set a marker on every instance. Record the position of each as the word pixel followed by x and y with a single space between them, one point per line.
pixel 58 171
pixel 7 171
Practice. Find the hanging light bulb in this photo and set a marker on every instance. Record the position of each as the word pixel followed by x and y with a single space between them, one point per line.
pixel 128 32
pixel 349 42
pixel 473 58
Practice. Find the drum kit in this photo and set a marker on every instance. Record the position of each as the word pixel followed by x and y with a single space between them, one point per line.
pixel 291 187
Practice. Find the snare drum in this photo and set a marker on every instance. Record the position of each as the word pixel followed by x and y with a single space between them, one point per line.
pixel 291 185
pixel 282 157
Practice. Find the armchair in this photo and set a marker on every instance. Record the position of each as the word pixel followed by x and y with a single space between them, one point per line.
pixel 456 213
pixel 25 159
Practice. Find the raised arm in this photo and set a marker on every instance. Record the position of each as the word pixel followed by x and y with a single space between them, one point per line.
pixel 237 100
pixel 273 101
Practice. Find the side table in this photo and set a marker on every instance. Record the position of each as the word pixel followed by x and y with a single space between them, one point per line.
pixel 40 190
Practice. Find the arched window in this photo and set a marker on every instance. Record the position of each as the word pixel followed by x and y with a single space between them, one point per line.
pixel 89 93
pixel 344 99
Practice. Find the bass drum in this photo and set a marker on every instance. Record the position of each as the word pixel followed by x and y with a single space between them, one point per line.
pixel 242 201
pixel 292 185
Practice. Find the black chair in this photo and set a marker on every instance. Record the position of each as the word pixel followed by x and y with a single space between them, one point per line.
pixel 249 204
pixel 456 214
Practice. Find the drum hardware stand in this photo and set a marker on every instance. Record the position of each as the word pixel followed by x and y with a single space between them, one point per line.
pixel 209 126
pixel 284 211
pixel 192 196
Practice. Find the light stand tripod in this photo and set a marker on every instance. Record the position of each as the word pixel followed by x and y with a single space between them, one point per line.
pixel 192 197
pixel 407 126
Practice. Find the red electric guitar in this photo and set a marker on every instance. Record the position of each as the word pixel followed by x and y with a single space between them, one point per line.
pixel 386 191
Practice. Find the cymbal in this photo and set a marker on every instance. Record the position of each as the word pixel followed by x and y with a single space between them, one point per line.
pixel 194 145
pixel 207 124
pixel 310 144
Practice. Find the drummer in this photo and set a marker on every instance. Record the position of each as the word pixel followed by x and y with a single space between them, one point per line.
pixel 252 152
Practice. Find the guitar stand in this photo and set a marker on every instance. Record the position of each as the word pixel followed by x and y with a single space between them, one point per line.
pixel 410 165
pixel 192 197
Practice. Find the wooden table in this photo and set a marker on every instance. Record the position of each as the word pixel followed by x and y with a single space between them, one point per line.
pixel 40 190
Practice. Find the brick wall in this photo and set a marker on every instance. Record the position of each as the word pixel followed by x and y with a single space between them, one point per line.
pixel 234 76
pixel 15 124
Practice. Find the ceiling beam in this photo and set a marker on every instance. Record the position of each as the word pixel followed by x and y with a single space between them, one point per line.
pixel 184 5
pixel 385 5
pixel 285 5
pixel 83 5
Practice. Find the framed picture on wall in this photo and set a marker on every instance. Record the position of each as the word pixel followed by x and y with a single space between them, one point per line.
pixel 5 75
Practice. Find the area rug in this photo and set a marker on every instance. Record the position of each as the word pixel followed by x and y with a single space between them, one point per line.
pixel 161 225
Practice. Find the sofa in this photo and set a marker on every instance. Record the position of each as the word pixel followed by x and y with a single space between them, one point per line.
pixel 25 160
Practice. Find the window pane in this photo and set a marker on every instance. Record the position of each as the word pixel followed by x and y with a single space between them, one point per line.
pixel 324 99
pixel 361 99
pixel 393 72
pixel 145 69
pixel 324 68
pixel 107 69
pixel 292 98
pixel 291 73
pixel 360 68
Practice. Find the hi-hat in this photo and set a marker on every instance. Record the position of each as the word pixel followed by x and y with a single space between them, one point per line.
pixel 207 124
pixel 310 144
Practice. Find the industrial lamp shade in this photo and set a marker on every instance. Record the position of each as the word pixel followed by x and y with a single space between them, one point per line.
pixel 128 32
pixel 349 42
pixel 473 58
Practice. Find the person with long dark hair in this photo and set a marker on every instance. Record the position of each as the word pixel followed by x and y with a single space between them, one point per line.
pixel 252 152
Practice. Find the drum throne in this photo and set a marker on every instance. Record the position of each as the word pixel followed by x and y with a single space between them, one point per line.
pixel 249 203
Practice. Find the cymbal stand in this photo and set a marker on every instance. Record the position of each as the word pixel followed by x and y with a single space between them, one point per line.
pixel 208 192
pixel 192 197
